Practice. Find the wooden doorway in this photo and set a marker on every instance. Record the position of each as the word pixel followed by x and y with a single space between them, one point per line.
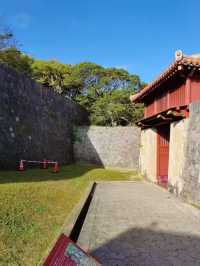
pixel 163 136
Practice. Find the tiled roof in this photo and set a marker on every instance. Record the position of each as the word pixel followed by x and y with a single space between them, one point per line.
pixel 180 61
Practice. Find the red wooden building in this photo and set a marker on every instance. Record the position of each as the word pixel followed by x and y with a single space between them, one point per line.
pixel 166 100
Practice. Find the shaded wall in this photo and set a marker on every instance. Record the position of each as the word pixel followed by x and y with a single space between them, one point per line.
pixel 184 156
pixel 35 123
pixel 148 153
pixel 108 146
pixel 191 170
pixel 177 155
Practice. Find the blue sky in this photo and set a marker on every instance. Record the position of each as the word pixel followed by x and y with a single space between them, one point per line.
pixel 140 36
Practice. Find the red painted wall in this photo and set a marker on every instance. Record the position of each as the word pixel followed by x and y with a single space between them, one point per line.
pixel 165 100
pixel 195 90
pixel 176 94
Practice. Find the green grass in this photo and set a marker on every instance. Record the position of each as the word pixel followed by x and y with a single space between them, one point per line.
pixel 197 206
pixel 34 205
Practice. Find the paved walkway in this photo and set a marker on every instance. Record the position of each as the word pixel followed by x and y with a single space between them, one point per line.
pixel 133 223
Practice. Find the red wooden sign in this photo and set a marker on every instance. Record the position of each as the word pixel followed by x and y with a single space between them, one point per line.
pixel 67 253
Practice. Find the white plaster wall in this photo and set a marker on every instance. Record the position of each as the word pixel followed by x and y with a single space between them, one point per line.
pixel 148 153
pixel 178 139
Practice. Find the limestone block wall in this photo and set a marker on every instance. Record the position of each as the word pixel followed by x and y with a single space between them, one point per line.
pixel 148 153
pixel 184 157
pixel 35 123
pixel 191 171
pixel 108 146
pixel 177 156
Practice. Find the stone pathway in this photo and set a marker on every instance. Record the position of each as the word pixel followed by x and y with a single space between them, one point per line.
pixel 138 223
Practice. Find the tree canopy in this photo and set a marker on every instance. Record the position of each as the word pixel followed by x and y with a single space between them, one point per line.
pixel 115 109
pixel 17 60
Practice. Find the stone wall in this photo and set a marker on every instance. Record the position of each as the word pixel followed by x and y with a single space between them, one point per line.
pixel 184 156
pixel 177 159
pixel 35 122
pixel 148 153
pixel 108 146
pixel 191 170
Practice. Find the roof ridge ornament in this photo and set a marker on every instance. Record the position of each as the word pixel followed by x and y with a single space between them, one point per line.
pixel 181 61
pixel 178 55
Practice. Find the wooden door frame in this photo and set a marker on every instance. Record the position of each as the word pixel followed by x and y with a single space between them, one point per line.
pixel 157 154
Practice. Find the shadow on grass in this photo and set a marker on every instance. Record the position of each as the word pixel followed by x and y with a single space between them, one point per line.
pixel 148 246
pixel 37 175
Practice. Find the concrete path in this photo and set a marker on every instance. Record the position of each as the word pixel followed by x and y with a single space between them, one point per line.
pixel 132 223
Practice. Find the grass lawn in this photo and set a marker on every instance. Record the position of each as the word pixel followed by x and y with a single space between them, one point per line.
pixel 34 205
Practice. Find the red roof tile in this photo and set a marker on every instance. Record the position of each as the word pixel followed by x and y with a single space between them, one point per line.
pixel 181 60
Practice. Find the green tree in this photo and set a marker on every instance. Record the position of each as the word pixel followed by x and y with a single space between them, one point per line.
pixel 51 74
pixel 9 54
pixel 106 96
pixel 17 60
pixel 65 79
pixel 115 108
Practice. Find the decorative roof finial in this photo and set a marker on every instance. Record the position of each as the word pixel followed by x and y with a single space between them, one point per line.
pixel 178 55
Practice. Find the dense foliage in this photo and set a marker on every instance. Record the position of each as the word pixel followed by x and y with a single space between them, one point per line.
pixel 17 60
pixel 115 109
pixel 104 92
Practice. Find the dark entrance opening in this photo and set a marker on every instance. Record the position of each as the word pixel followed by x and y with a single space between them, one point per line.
pixel 163 137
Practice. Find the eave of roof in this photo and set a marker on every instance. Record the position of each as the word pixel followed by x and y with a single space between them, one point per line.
pixel 169 115
pixel 172 70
